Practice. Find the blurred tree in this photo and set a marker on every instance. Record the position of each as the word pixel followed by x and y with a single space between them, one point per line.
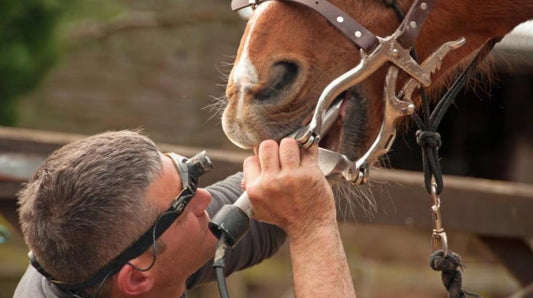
pixel 28 48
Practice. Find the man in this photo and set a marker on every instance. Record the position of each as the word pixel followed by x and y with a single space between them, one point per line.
pixel 91 208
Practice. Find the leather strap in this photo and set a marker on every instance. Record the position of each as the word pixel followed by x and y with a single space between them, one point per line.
pixel 355 32
pixel 413 22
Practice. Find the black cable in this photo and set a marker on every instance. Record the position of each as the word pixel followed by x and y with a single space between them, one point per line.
pixel 397 9
pixel 219 266
pixel 100 287
pixel 154 245
pixel 221 282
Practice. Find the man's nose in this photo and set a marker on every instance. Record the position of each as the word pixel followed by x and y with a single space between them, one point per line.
pixel 201 199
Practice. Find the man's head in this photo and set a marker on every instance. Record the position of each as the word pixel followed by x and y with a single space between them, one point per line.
pixel 93 198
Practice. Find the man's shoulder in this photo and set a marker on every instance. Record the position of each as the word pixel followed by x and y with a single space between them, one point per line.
pixel 231 183
pixel 33 284
pixel 224 192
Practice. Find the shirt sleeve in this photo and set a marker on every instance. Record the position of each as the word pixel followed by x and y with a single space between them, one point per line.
pixel 261 242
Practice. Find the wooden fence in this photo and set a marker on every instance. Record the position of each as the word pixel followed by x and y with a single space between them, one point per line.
pixel 499 213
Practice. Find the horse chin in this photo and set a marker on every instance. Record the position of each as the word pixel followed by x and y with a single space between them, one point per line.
pixel 348 134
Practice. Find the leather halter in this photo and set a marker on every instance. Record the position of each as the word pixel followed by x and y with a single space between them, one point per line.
pixel 360 36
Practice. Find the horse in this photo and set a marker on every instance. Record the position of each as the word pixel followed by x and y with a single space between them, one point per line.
pixel 289 53
pixel 298 58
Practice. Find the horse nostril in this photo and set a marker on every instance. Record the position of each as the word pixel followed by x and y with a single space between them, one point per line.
pixel 281 76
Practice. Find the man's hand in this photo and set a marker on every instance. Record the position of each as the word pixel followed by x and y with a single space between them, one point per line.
pixel 287 188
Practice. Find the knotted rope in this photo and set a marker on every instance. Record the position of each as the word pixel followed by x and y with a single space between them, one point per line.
pixel 430 141
pixel 450 265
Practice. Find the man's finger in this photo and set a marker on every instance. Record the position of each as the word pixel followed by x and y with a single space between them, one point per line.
pixel 251 169
pixel 289 153
pixel 269 156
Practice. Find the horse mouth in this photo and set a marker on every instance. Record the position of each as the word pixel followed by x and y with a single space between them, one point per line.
pixel 348 133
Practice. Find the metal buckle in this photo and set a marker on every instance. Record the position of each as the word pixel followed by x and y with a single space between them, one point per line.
pixel 439 235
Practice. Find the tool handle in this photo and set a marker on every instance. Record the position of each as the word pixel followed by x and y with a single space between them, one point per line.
pixel 232 221
pixel 243 203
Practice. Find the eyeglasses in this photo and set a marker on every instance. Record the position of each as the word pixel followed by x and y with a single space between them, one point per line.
pixel 189 170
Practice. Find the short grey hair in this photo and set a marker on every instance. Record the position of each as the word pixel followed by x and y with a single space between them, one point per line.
pixel 86 203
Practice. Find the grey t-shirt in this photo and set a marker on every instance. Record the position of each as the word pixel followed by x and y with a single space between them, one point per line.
pixel 261 242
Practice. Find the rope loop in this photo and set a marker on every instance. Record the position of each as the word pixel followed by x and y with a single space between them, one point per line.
pixel 450 265
pixel 426 138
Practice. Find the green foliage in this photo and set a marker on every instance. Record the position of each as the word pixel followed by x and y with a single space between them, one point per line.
pixel 28 48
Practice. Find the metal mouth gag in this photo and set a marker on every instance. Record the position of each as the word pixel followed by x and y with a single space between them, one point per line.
pixel 396 104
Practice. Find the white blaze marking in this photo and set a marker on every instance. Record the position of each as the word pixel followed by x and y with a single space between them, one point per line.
pixel 244 73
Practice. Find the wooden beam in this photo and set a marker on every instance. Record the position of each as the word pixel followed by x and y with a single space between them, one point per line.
pixel 515 254
pixel 484 207
pixel 33 141
pixel 480 206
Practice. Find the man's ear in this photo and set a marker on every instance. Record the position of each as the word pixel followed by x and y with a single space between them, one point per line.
pixel 134 282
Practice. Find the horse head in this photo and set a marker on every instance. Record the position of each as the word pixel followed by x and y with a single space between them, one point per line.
pixel 289 53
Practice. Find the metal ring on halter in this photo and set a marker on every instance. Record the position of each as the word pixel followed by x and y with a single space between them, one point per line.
pixel 439 235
